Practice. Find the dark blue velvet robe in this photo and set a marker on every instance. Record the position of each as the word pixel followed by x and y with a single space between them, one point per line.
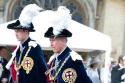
pixel 77 65
pixel 37 73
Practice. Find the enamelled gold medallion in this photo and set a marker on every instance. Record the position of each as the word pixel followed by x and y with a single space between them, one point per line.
pixel 28 64
pixel 69 75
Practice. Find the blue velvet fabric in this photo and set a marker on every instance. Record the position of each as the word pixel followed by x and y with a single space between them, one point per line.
pixel 37 73
pixel 81 75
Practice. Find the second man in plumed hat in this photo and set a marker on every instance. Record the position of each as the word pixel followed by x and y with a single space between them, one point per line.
pixel 65 65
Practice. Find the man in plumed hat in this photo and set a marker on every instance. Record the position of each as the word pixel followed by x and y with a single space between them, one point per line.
pixel 65 65
pixel 29 61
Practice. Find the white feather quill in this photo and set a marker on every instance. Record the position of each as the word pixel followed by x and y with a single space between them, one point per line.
pixel 59 19
pixel 62 16
pixel 28 13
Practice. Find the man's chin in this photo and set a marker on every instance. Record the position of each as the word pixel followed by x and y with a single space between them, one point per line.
pixel 18 40
pixel 54 51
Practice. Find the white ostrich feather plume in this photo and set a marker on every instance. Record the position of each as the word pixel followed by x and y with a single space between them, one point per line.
pixel 28 13
pixel 59 19
pixel 62 19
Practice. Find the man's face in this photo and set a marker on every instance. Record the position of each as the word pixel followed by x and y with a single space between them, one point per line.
pixel 58 44
pixel 124 62
pixel 121 62
pixel 21 34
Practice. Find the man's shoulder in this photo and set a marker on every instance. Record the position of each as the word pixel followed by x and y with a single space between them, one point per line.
pixel 75 56
pixel 33 43
pixel 116 67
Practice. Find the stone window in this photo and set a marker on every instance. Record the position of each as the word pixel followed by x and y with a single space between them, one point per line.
pixel 50 4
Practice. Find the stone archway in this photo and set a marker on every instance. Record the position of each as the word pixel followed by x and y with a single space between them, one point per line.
pixel 77 11
pixel 14 7
pixel 81 9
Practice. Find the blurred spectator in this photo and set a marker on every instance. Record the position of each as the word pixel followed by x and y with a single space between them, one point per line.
pixel 116 71
pixel 107 72
pixel 4 73
pixel 123 71
pixel 1 69
pixel 93 70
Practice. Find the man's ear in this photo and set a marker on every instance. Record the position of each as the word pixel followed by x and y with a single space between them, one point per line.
pixel 26 31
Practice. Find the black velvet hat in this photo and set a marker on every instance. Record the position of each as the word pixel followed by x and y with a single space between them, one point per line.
pixel 63 33
pixel 25 19
pixel 17 25
pixel 59 23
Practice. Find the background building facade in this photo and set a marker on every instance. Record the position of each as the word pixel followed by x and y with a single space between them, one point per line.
pixel 107 16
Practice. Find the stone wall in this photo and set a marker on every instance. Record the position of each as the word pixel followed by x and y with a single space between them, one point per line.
pixel 114 24
pixel 1 11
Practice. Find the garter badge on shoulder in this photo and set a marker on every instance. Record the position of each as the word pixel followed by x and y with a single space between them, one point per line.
pixel 27 64
pixel 69 75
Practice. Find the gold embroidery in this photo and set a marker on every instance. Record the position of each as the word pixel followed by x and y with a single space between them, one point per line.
pixel 27 64
pixel 69 75
pixel 18 66
pixel 58 70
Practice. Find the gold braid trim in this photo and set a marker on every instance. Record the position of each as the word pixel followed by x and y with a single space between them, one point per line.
pixel 18 67
pixel 54 77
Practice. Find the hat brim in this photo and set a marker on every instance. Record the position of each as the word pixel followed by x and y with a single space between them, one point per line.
pixel 52 36
pixel 64 33
pixel 16 25
pixel 14 28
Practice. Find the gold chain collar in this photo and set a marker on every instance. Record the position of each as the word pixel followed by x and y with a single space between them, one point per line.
pixel 54 77
pixel 17 66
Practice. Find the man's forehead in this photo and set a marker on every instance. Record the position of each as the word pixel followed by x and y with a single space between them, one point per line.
pixel 20 30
